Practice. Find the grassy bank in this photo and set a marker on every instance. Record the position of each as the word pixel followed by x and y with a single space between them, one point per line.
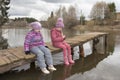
pixel 97 28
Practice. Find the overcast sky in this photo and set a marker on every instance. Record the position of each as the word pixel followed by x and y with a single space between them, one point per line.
pixel 41 9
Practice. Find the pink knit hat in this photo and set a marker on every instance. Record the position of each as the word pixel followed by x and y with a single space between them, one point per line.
pixel 60 23
pixel 36 25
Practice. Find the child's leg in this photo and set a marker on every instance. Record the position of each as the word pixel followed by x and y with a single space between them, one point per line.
pixel 40 57
pixel 69 52
pixel 47 53
pixel 48 57
pixel 68 48
pixel 61 45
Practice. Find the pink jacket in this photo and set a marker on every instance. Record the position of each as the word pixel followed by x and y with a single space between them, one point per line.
pixel 56 36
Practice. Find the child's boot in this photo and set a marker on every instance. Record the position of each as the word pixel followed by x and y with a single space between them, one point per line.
pixel 45 71
pixel 70 59
pixel 66 61
pixel 51 68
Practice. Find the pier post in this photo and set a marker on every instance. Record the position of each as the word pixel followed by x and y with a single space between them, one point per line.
pixel 105 44
pixel 72 52
pixel 81 51
pixel 32 64
pixel 95 42
pixel 93 46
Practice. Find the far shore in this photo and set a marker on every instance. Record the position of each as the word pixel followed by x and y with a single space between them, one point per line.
pixel 97 28
pixel 80 27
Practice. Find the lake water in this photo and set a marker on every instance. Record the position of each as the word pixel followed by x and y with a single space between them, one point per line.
pixel 97 66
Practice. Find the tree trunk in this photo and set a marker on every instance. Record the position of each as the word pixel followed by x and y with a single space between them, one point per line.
pixel 3 41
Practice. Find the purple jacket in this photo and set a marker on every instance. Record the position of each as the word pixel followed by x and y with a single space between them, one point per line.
pixel 33 39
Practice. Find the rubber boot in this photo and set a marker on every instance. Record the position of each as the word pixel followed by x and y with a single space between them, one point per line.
pixel 70 59
pixel 66 61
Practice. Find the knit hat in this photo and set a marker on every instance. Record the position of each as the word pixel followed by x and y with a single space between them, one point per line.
pixel 60 23
pixel 36 25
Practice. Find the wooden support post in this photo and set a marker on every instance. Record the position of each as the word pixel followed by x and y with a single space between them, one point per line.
pixel 32 65
pixel 95 42
pixel 72 51
pixel 93 46
pixel 105 44
pixel 81 51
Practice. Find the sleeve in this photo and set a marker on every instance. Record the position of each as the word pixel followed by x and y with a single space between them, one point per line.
pixel 42 41
pixel 27 42
pixel 55 38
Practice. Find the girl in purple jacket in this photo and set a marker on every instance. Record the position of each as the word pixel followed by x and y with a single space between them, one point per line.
pixel 34 43
pixel 58 40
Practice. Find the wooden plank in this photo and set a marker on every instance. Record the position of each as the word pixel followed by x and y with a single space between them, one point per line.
pixel 2 62
pixel 22 53
pixel 11 66
pixel 53 49
pixel 8 56
pixel 16 52
pixel 31 56
pixel 3 57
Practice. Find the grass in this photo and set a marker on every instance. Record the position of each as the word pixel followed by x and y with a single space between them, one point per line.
pixel 97 28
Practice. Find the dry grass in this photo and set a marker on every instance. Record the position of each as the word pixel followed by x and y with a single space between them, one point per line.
pixel 97 28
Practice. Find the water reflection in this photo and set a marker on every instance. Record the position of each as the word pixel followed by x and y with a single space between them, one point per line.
pixel 111 41
pixel 63 72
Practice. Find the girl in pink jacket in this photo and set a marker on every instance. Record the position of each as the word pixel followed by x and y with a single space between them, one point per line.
pixel 58 40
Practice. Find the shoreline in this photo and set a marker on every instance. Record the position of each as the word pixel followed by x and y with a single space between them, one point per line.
pixel 97 28
pixel 78 27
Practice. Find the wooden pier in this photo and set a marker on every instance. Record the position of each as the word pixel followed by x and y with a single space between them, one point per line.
pixel 15 57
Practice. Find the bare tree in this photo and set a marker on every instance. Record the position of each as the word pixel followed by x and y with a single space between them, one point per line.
pixel 65 15
pixel 59 12
pixel 64 12
pixel 69 17
pixel 72 17
pixel 51 20
pixel 72 12
pixel 99 12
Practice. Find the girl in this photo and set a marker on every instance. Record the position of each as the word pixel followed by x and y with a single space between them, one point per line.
pixel 34 43
pixel 58 40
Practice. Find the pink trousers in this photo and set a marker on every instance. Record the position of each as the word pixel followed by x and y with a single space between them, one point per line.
pixel 66 52
pixel 66 48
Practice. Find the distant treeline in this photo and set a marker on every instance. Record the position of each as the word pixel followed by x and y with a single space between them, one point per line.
pixel 29 20
pixel 102 13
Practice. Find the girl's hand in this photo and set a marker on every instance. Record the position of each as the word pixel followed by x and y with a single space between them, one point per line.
pixel 27 52
pixel 64 36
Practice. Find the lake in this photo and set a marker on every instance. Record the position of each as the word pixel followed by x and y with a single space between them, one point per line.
pixel 97 66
